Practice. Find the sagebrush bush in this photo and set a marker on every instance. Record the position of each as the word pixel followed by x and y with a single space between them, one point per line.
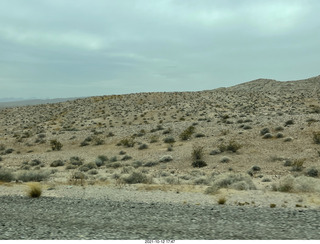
pixel 136 178
pixel 6 175
pixel 100 160
pixel 233 181
pixel 137 164
pixel 312 172
pixel 35 190
pixel 298 184
pixel 88 166
pixel 57 163
pixel 34 162
pixel 143 146
pixel 150 164
pixel 264 131
pixel 165 159
pixel 76 161
pixel 169 139
pixel 27 176
pixel 225 159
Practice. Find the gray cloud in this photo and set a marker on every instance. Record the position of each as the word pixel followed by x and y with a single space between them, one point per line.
pixel 59 48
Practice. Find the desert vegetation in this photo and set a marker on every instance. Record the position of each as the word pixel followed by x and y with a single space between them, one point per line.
pixel 247 137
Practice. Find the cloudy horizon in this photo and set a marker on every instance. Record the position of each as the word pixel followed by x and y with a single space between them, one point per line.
pixel 64 48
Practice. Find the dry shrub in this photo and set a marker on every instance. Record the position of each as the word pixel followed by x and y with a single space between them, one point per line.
pixel 35 190
pixel 136 178
pixel 38 175
pixel 187 133
pixel 298 184
pixel 233 181
pixel 222 200
pixel 232 146
pixel 316 137
pixel 6 175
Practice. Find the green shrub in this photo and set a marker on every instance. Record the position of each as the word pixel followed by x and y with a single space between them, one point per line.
pixel 187 133
pixel 56 145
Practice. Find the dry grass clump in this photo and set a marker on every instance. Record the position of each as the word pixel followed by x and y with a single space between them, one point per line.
pixel 222 200
pixel 298 184
pixel 35 190
pixel 233 181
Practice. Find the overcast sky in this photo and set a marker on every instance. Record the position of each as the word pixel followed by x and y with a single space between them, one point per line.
pixel 69 48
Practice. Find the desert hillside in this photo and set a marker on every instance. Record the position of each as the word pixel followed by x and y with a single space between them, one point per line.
pixel 264 129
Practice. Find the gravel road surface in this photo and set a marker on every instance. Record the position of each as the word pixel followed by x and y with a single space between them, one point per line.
pixel 104 219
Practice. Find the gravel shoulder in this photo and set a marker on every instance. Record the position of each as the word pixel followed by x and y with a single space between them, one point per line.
pixel 107 213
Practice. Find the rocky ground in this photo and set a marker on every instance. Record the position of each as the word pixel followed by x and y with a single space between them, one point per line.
pixel 130 215
pixel 256 145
